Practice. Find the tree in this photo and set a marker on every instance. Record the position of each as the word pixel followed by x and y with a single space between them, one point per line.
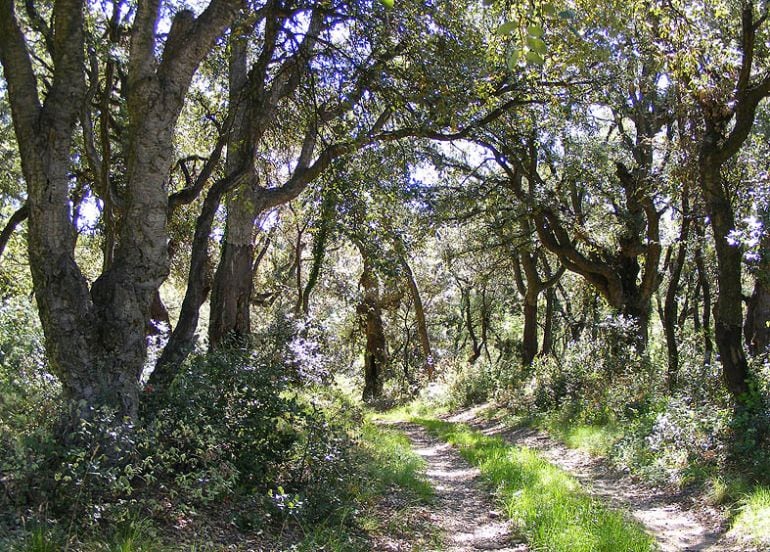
pixel 370 315
pixel 531 285
pixel 95 335
pixel 726 108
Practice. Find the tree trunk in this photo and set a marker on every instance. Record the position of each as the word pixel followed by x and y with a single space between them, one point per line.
pixel 232 286
pixel 96 340
pixel 530 286
pixel 231 291
pixel 159 318
pixel 319 250
pixel 728 312
pixel 550 308
pixel 299 247
pixel 15 219
pixel 529 345
pixel 475 346
pixel 419 310
pixel 670 317
pixel 757 325
pixel 757 329
pixel 182 339
pixel 375 355
pixel 703 323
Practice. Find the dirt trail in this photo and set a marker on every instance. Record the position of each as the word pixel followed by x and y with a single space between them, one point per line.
pixel 463 509
pixel 674 520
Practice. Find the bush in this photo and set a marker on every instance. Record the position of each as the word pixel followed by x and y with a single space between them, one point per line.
pixel 471 384
pixel 233 426
pixel 595 380
pixel 29 405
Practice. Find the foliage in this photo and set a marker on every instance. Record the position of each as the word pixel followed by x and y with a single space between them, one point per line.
pixel 476 383
pixel 753 519
pixel 598 378
pixel 232 427
pixel 395 463
pixel 543 140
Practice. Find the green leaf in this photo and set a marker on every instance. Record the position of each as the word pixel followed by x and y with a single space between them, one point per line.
pixel 535 30
pixel 535 58
pixel 537 45
pixel 549 9
pixel 567 14
pixel 388 3
pixel 513 59
pixel 507 28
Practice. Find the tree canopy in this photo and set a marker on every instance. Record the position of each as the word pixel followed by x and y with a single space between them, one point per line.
pixel 397 193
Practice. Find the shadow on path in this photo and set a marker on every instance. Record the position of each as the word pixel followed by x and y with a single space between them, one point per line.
pixel 673 520
pixel 463 507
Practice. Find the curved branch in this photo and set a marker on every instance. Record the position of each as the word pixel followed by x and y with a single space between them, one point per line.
pixel 17 218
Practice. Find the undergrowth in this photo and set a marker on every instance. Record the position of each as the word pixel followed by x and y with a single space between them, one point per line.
pixel 602 396
pixel 249 449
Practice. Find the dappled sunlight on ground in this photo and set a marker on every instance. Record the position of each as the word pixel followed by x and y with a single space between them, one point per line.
pixel 463 507
pixel 673 519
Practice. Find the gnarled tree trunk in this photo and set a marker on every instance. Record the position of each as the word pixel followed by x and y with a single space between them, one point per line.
pixel 95 339
pixel 232 286
pixel 370 316
pixel 728 312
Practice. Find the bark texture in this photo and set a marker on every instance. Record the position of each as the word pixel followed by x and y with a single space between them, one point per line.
pixel 232 286
pixel 726 126
pixel 95 338
pixel 370 316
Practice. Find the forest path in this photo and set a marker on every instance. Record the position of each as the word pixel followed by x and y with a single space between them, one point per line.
pixel 463 508
pixel 676 521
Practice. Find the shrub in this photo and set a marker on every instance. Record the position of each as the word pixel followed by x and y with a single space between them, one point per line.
pixel 595 380
pixel 233 425
pixel 471 384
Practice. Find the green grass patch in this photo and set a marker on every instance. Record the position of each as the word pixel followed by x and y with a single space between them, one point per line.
pixel 753 520
pixel 405 412
pixel 597 439
pixel 594 438
pixel 393 463
pixel 388 465
pixel 547 503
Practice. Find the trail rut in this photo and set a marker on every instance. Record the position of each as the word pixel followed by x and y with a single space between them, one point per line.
pixel 463 508
pixel 675 521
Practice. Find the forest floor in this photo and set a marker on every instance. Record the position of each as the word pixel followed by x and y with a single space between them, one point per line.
pixel 679 521
pixel 464 509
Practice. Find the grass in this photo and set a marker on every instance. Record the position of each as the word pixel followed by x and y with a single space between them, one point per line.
pixel 133 536
pixel 393 463
pixel 746 504
pixel 753 520
pixel 389 466
pixel 405 412
pixel 547 503
pixel 593 438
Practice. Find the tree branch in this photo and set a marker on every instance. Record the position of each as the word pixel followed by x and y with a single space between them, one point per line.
pixel 16 218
